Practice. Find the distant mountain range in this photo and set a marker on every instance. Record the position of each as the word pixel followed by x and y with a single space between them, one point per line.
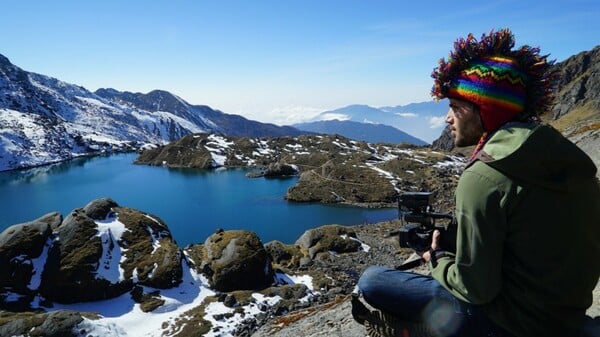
pixel 369 132
pixel 424 121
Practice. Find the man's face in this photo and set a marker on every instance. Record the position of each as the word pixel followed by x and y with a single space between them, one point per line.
pixel 463 118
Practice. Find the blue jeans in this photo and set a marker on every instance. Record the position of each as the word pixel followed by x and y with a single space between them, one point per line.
pixel 420 298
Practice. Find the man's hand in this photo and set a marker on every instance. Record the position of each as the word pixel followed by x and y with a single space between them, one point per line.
pixel 435 241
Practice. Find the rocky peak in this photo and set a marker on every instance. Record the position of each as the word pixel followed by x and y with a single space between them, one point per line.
pixel 156 100
pixel 4 61
pixel 579 82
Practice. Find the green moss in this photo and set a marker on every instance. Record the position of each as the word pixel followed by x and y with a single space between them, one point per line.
pixel 30 319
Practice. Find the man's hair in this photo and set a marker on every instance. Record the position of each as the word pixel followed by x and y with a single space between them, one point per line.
pixel 505 84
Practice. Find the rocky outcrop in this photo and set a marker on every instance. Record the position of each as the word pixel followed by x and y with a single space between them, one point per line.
pixel 54 324
pixel 579 83
pixel 327 239
pixel 445 142
pixel 236 260
pixel 185 152
pixel 70 271
pixel 283 255
pixel 152 257
pixel 20 246
pixel 332 319
pixel 96 252
pixel 276 170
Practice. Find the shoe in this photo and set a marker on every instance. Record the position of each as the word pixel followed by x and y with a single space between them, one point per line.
pixel 379 323
pixel 359 311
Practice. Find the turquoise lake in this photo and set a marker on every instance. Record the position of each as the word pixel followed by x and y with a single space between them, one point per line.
pixel 193 203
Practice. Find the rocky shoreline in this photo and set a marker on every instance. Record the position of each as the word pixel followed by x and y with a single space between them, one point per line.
pixel 106 253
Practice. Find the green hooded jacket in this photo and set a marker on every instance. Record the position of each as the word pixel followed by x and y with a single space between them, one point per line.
pixel 528 242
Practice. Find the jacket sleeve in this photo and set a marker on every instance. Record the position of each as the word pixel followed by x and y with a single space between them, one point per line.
pixel 474 273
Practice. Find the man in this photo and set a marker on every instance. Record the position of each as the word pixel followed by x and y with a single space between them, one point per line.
pixel 527 207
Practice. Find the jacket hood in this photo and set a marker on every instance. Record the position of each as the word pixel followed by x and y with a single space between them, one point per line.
pixel 537 154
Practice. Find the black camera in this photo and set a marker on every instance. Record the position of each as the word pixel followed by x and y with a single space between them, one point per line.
pixel 418 223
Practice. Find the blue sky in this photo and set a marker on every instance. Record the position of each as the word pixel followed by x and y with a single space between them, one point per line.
pixel 274 61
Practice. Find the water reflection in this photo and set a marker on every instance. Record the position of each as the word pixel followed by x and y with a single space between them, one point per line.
pixel 40 173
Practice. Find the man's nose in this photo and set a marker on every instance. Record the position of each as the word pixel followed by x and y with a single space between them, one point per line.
pixel 449 116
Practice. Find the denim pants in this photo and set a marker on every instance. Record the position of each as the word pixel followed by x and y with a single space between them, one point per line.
pixel 420 298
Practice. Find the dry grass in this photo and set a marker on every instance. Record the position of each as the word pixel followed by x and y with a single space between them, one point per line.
pixel 579 119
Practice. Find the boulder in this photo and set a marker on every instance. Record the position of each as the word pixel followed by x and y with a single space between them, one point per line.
pixel 329 238
pixel 152 257
pixel 20 244
pixel 283 255
pixel 59 323
pixel 97 252
pixel 73 261
pixel 280 170
pixel 237 260
pixel 99 209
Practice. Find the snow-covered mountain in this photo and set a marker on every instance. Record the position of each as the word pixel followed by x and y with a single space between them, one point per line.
pixel 424 120
pixel 44 120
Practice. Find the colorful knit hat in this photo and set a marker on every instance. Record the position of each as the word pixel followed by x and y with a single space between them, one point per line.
pixel 502 82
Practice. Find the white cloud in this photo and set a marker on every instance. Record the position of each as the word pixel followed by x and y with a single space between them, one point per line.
pixel 437 122
pixel 287 115
pixel 369 122
pixel 407 114
pixel 331 116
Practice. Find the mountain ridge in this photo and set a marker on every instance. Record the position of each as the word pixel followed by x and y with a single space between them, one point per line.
pixel 46 120
pixel 369 132
pixel 423 119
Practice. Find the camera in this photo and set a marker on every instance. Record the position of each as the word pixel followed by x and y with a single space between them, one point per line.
pixel 419 222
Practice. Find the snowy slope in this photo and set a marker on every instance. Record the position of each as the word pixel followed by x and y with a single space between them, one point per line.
pixel 43 119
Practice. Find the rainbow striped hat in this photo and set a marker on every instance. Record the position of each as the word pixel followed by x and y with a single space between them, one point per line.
pixel 505 84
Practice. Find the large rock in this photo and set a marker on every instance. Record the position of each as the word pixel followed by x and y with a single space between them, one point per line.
pixel 103 250
pixel 280 170
pixel 329 238
pixel 237 260
pixel 284 255
pixel 20 245
pixel 151 252
pixel 61 323
pixel 73 261
pixel 99 209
